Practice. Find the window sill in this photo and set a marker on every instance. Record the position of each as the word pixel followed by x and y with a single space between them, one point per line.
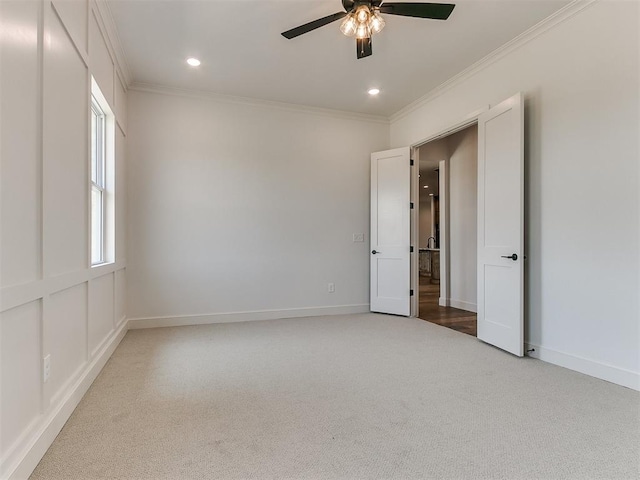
pixel 103 264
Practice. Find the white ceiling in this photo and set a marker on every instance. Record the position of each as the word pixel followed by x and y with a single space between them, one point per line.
pixel 243 53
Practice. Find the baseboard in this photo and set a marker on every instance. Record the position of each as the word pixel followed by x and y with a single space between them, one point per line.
pixel 603 371
pixel 26 459
pixel 443 302
pixel 468 306
pixel 232 317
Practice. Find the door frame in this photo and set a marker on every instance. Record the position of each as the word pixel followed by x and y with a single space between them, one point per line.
pixel 452 128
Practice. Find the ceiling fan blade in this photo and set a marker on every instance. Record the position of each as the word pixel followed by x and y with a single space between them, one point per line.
pixel 435 11
pixel 307 27
pixel 363 47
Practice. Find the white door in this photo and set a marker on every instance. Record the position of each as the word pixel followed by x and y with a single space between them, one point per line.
pixel 501 226
pixel 390 231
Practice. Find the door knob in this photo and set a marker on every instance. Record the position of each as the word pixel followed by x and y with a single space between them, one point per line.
pixel 374 252
pixel 513 257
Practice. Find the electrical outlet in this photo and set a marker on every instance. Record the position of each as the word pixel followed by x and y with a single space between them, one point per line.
pixel 331 287
pixel 46 368
pixel 358 237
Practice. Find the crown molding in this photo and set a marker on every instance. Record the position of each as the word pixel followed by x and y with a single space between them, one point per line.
pixel 540 28
pixel 111 32
pixel 230 99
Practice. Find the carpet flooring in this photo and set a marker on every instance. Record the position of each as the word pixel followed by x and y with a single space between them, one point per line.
pixel 344 397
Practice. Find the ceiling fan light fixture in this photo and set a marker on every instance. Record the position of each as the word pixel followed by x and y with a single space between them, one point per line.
pixel 362 14
pixel 349 25
pixel 363 19
pixel 363 31
pixel 376 23
pixel 362 22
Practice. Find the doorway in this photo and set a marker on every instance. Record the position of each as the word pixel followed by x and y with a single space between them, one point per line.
pixel 499 238
pixel 447 230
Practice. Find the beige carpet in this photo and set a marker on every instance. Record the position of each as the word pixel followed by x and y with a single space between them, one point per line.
pixel 361 396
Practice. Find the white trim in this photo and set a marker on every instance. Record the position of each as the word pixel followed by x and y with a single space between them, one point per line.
pixel 95 14
pixel 444 240
pixel 443 132
pixel 414 226
pixel 112 39
pixel 462 305
pixel 14 296
pixel 74 40
pixel 121 127
pixel 443 165
pixel 122 319
pixel 548 23
pixel 123 70
pixel 201 94
pixel 232 317
pixel 22 459
pixel 603 371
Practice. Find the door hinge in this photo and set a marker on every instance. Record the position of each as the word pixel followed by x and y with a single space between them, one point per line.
pixel 411 293
pixel 410 204
pixel 411 162
pixel 411 249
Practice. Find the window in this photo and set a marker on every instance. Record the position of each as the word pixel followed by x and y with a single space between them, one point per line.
pixel 102 211
pixel 98 186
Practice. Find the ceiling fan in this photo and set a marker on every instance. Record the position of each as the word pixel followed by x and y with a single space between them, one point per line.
pixel 363 19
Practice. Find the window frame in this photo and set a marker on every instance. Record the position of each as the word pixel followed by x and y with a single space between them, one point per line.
pixel 98 168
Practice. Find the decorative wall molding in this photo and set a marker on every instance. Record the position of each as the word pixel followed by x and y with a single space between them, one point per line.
pixel 254 102
pixel 14 296
pixel 540 28
pixel 81 50
pixel 24 456
pixel 603 371
pixel 44 418
pixel 232 317
pixel 113 40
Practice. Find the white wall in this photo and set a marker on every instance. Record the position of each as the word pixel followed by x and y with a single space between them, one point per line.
pixel 53 303
pixel 246 207
pixel 463 218
pixel 580 80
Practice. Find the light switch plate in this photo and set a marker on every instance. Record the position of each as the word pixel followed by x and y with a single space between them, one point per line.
pixel 358 237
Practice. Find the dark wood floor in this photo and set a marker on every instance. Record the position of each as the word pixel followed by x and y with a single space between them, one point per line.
pixel 429 310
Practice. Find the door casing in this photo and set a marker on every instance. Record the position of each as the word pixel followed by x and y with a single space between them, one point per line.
pixel 463 123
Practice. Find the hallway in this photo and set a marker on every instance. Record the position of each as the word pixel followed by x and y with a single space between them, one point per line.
pixel 454 318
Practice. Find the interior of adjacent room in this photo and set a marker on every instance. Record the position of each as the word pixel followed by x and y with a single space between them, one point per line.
pixel 447 191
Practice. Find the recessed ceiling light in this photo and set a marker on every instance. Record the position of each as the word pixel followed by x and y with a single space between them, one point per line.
pixel 374 91
pixel 194 62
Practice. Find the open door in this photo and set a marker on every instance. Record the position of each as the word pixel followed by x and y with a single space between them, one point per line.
pixel 390 231
pixel 501 226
